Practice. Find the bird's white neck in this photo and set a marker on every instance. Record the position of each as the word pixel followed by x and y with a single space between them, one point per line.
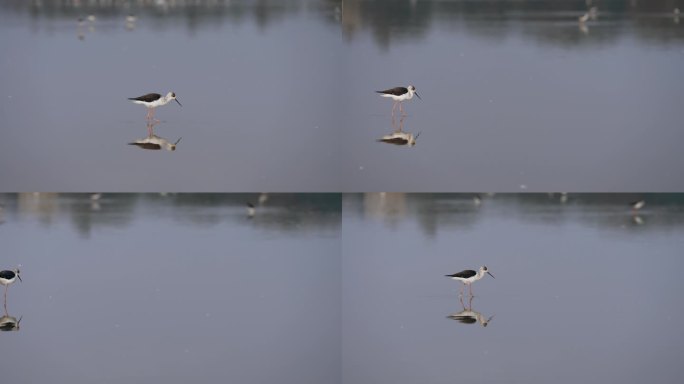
pixel 165 100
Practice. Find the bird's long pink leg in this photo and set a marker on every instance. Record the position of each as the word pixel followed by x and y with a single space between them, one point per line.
pixel 401 109
pixel 394 106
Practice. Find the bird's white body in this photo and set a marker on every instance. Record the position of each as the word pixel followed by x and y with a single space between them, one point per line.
pixel 584 18
pixel 403 97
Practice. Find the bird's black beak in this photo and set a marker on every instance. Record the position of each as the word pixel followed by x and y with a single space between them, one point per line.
pixel 418 95
pixel 20 278
pixel 490 275
pixel 178 102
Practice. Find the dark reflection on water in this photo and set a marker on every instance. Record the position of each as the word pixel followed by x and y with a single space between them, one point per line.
pixel 9 323
pixel 467 315
pixel 172 288
pixel 576 292
pixel 398 136
pixel 154 142
pixel 546 22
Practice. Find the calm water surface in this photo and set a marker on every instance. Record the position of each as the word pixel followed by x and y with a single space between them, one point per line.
pixel 279 95
pixel 584 291
pixel 249 75
pixel 172 289
pixel 516 96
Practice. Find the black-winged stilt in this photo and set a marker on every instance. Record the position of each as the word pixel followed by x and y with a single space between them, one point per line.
pixel 251 211
pixel 399 94
pixel 469 276
pixel 154 100
pixel 8 277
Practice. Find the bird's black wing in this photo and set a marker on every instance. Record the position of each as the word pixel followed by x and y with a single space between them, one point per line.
pixel 150 97
pixel 398 91
pixel 7 274
pixel 151 146
pixel 464 274
pixel 464 319
pixel 394 140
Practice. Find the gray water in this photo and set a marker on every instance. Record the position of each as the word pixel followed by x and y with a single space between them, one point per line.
pixel 279 96
pixel 583 291
pixel 172 289
pixel 515 96
pixel 342 289
pixel 248 74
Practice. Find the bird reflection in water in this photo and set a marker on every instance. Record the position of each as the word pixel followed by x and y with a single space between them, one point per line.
pixel 79 30
pixel 154 142
pixel 470 316
pixel 398 136
pixel 130 22
pixel 9 323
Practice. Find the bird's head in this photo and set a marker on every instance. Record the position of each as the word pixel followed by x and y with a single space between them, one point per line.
pixel 172 147
pixel 484 269
pixel 16 272
pixel 413 139
pixel 172 95
pixel 412 89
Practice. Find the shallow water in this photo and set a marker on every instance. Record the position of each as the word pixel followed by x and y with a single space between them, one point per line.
pixel 248 74
pixel 279 96
pixel 515 96
pixel 176 288
pixel 172 289
pixel 583 291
